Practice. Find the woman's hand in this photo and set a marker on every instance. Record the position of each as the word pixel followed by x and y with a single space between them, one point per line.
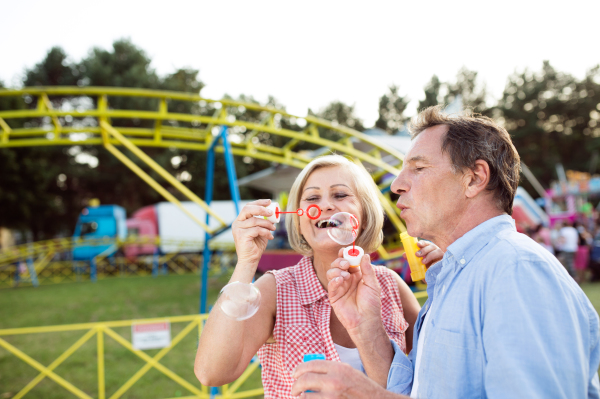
pixel 354 294
pixel 429 253
pixel 251 234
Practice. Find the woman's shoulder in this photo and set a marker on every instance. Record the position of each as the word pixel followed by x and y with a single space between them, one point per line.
pixel 288 275
pixel 385 274
pixel 389 281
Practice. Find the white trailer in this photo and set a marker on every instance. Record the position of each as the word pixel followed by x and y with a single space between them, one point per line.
pixel 179 233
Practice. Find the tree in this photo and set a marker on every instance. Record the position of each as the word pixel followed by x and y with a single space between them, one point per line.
pixel 391 111
pixel 28 184
pixel 472 93
pixel 54 70
pixel 432 93
pixel 552 117
pixel 47 187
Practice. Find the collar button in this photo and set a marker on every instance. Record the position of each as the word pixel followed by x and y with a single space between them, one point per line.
pixel 462 261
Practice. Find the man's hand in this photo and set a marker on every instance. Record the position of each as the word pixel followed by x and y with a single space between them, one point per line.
pixel 354 294
pixel 335 380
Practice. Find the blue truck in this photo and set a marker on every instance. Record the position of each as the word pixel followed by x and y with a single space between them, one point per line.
pixel 94 224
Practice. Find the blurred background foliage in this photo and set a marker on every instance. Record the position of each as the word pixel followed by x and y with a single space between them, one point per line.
pixel 552 116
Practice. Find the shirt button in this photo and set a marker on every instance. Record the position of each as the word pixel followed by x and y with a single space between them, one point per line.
pixel 462 261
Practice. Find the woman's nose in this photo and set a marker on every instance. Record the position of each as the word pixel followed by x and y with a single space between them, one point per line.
pixel 326 205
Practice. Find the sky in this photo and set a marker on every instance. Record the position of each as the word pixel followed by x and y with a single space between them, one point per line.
pixel 309 53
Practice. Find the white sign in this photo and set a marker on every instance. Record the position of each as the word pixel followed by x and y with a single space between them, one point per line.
pixel 151 335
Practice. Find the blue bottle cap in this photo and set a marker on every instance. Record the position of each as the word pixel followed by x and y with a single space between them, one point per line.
pixel 314 356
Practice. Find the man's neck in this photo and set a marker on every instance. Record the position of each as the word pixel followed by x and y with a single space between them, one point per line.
pixel 467 222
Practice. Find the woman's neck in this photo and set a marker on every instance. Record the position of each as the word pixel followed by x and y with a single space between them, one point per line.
pixel 322 263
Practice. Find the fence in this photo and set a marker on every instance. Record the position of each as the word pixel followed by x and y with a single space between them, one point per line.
pixel 50 261
pixel 101 330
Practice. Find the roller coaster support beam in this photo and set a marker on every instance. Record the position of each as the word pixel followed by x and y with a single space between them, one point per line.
pixel 235 195
pixel 162 172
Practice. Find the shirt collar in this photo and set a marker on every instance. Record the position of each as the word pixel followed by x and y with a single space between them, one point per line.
pixel 467 246
pixel 309 285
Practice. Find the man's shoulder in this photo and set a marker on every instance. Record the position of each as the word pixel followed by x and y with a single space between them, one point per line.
pixel 510 252
pixel 517 248
pixel 514 259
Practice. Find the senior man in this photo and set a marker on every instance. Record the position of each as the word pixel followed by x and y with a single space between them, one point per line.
pixel 503 318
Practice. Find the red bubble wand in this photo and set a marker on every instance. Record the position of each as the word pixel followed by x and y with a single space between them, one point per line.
pixel 300 212
pixel 354 222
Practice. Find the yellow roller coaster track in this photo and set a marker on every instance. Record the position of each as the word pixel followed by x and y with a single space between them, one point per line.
pixel 191 131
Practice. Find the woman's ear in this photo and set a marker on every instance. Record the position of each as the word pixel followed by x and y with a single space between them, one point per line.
pixel 477 178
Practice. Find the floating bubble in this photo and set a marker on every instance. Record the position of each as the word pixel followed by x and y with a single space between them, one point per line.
pixel 240 301
pixel 343 228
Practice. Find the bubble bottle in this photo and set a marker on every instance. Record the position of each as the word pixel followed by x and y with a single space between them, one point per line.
pixel 417 268
pixel 313 356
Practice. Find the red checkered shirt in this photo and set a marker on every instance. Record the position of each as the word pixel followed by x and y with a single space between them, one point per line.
pixel 302 323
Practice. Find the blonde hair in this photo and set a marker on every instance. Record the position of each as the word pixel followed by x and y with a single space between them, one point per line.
pixel 370 235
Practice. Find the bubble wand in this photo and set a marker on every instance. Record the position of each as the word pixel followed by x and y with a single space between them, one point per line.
pixel 344 230
pixel 275 217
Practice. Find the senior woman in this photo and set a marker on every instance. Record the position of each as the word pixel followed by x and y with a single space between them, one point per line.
pixel 295 316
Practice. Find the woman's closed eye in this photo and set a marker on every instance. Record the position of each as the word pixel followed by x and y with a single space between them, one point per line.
pixel 340 196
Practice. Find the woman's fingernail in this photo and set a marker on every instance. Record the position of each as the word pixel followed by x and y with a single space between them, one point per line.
pixel 344 263
pixel 418 253
pixel 345 274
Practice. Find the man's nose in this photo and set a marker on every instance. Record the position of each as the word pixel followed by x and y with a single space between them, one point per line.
pixel 399 185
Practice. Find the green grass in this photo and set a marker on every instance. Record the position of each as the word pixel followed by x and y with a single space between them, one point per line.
pixel 107 300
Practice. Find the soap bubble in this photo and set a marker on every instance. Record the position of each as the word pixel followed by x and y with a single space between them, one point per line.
pixel 343 228
pixel 240 301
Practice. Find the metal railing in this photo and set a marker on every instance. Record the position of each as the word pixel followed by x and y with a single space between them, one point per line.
pixel 102 330
pixel 192 130
pixel 50 261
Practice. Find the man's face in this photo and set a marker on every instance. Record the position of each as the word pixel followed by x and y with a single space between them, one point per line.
pixel 432 197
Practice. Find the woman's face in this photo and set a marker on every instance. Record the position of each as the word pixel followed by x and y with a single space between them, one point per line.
pixel 332 190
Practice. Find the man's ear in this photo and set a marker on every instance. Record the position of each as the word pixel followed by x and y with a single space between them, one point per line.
pixel 477 178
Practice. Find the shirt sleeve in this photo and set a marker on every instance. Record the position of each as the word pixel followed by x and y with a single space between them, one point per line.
pixel 400 376
pixel 594 388
pixel 538 335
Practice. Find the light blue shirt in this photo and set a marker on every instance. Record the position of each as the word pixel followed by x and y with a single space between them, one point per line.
pixel 508 322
